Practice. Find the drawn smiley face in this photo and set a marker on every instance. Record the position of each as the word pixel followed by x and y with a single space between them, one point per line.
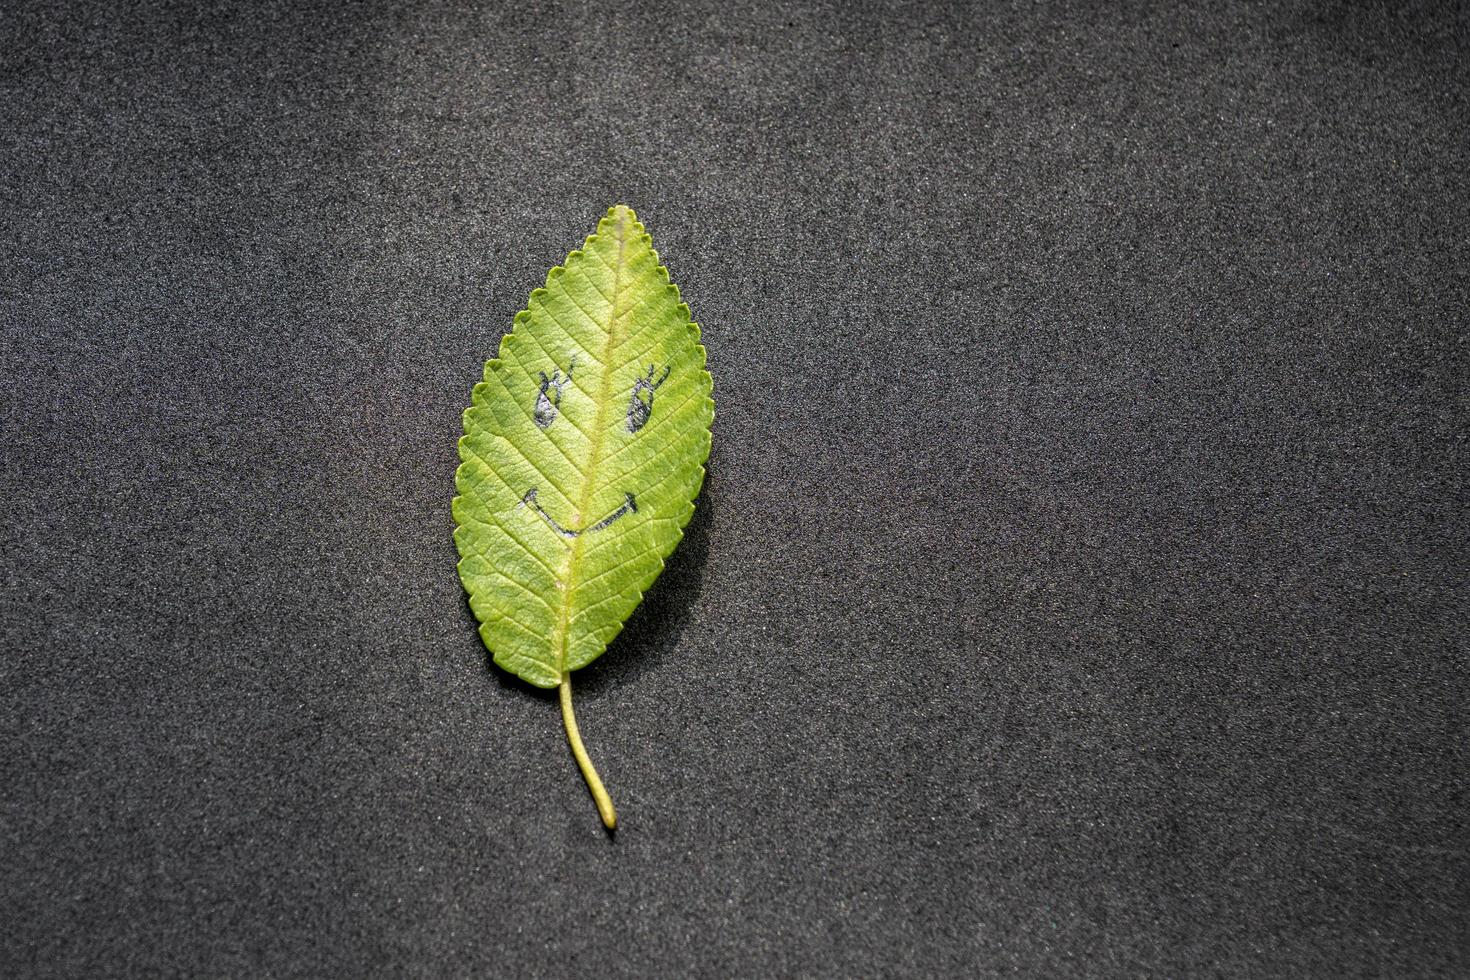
pixel 547 409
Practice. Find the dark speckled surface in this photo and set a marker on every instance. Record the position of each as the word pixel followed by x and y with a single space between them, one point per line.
pixel 1079 589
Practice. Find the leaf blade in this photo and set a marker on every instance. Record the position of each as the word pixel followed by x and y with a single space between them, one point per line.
pixel 583 452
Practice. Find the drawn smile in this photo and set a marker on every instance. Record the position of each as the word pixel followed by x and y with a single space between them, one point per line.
pixel 630 506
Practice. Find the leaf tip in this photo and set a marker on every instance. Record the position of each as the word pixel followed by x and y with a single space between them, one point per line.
pixel 622 222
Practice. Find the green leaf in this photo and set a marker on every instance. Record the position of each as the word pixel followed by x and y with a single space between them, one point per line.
pixel 583 451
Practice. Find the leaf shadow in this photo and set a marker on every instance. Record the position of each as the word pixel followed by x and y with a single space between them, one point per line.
pixel 655 626
pixel 654 629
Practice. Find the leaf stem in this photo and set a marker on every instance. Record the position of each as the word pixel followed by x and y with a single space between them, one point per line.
pixel 599 793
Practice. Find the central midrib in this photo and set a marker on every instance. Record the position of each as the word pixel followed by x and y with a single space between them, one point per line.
pixel 562 638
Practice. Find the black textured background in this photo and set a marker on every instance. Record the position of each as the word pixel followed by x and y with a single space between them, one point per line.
pixel 1079 588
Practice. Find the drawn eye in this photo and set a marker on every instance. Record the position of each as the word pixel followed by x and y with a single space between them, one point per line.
pixel 640 403
pixel 548 399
